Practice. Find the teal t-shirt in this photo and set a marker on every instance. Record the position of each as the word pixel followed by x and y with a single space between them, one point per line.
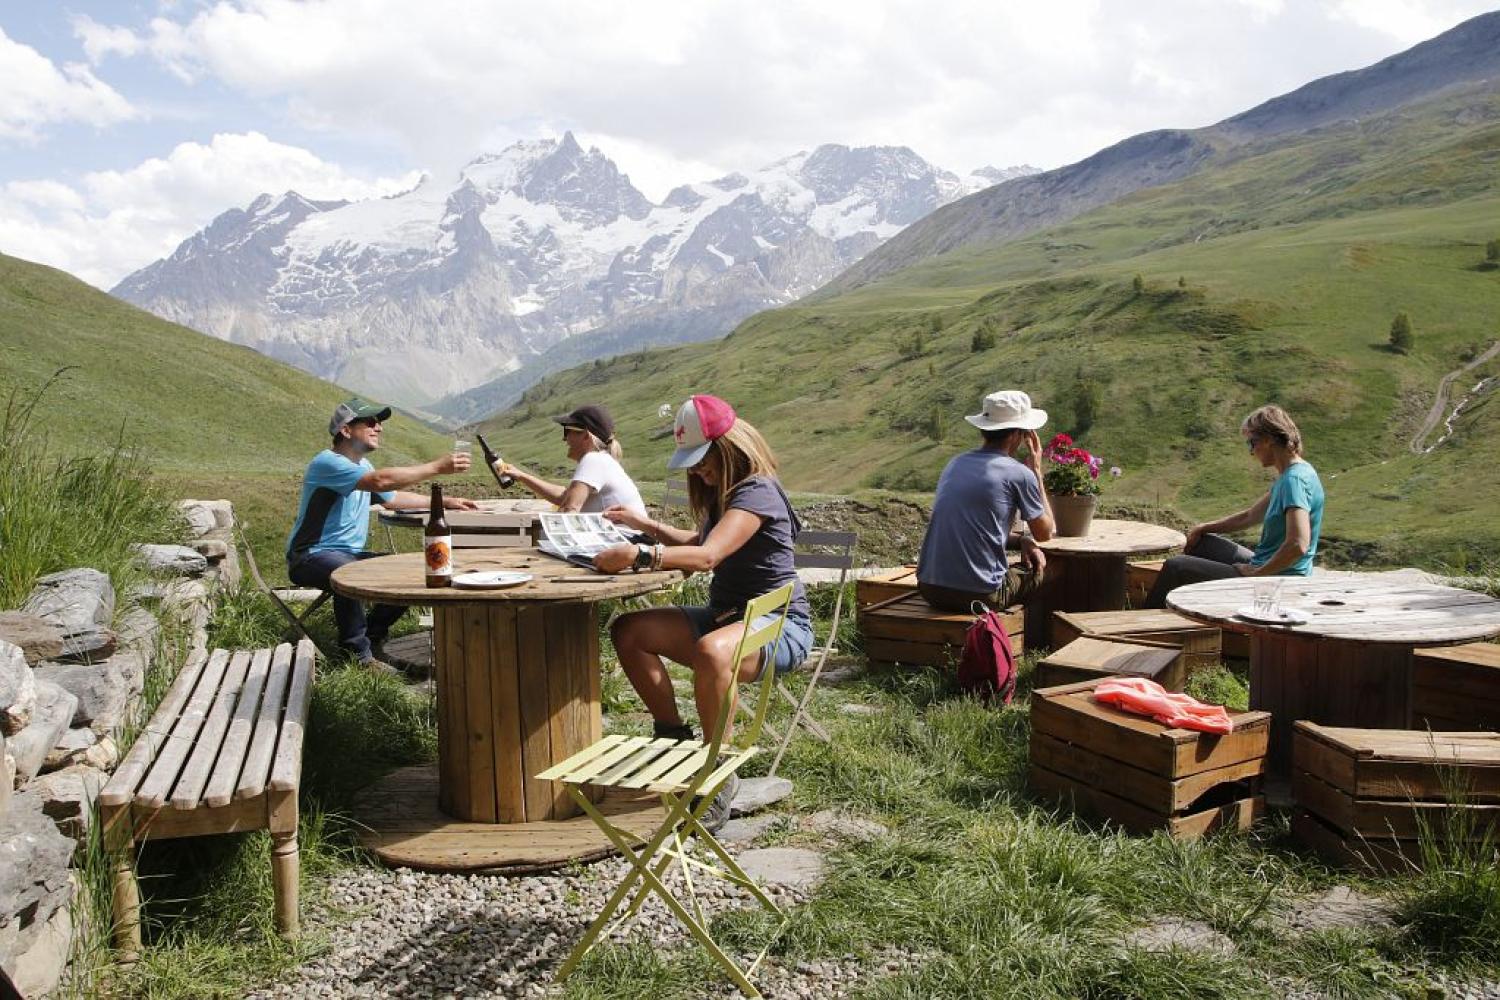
pixel 1298 486
pixel 333 515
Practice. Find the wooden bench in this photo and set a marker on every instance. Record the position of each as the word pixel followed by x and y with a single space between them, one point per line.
pixel 1133 771
pixel 879 587
pixel 908 630
pixel 1199 643
pixel 1087 659
pixel 1456 687
pixel 221 754
pixel 1363 795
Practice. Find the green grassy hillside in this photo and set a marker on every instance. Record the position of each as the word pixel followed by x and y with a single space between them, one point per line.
pixel 213 419
pixel 1274 278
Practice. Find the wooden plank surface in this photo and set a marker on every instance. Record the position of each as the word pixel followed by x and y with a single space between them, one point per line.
pixel 542 797
pixel 257 767
pixel 400 579
pixel 480 675
pixel 1087 658
pixel 231 760
pixel 153 737
pixel 1152 791
pixel 210 738
pixel 1118 538
pixel 168 764
pixel 1238 815
pixel 1398 607
pixel 879 587
pixel 286 766
pixel 1402 820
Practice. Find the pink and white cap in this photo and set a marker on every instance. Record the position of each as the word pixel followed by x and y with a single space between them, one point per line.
pixel 700 421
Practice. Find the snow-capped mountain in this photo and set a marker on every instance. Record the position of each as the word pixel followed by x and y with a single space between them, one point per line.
pixel 424 294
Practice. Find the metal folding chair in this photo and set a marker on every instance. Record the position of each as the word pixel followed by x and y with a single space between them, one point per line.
pixel 674 493
pixel 296 623
pixel 680 771
pixel 816 550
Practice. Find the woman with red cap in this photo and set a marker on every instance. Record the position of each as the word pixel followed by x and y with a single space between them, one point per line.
pixel 747 529
pixel 599 480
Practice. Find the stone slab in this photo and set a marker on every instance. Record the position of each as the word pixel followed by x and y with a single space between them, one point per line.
pixel 29 747
pixel 173 560
pixel 791 866
pixel 842 826
pixel 38 638
pixel 1175 933
pixel 748 829
pixel 68 797
pixel 17 689
pixel 82 603
pixel 756 794
pixel 34 877
pixel 38 969
pixel 101 690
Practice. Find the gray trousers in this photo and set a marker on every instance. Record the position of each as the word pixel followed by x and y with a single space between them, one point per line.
pixel 1019 584
pixel 1213 558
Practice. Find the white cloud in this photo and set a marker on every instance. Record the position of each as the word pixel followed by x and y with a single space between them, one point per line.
pixel 35 93
pixel 115 221
pixel 1406 21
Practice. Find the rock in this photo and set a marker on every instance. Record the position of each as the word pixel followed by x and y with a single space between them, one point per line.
pixel 101 689
pixel 211 549
pixel 39 639
pixel 747 829
pixel 1170 933
pixel 843 826
pixel 7 776
pixel 37 971
pixel 81 602
pixel 174 560
pixel 137 630
pixel 792 866
pixel 842 670
pixel 757 793
pixel 1340 906
pixel 197 511
pixel 17 690
pixel 34 879
pixel 199 517
pixel 69 745
pixel 68 797
pixel 29 747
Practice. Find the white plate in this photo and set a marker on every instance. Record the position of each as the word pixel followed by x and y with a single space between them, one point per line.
pixel 490 580
pixel 1281 616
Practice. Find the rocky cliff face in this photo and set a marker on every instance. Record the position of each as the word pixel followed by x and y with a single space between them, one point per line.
pixel 473 276
pixel 1468 54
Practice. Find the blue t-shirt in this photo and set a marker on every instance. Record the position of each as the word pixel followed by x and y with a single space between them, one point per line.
pixel 333 515
pixel 977 495
pixel 767 559
pixel 1298 486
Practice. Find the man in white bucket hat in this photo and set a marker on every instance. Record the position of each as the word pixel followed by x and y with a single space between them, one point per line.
pixel 963 556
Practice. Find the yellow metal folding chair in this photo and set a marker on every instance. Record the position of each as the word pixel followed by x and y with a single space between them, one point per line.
pixel 687 774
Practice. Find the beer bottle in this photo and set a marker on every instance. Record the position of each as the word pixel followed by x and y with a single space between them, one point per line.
pixel 438 543
pixel 490 459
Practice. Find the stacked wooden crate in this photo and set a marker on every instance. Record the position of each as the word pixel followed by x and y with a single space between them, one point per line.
pixel 1199 643
pixel 879 587
pixel 1127 768
pixel 1365 796
pixel 908 630
pixel 1087 658
pixel 1456 687
pixel 1140 577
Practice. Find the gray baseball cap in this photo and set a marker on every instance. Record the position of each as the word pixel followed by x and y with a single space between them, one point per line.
pixel 354 409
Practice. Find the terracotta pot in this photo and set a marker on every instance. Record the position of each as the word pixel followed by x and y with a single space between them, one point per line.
pixel 1074 514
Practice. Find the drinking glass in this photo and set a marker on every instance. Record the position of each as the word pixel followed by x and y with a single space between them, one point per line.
pixel 1268 595
pixel 462 446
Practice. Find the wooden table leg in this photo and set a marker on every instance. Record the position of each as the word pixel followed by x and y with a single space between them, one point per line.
pixel 1332 682
pixel 1073 583
pixel 518 691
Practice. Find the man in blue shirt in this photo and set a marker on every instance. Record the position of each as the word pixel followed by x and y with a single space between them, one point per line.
pixel 963 554
pixel 333 518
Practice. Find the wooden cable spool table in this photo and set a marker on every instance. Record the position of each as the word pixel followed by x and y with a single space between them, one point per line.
pixel 517 674
pixel 1087 573
pixel 1350 663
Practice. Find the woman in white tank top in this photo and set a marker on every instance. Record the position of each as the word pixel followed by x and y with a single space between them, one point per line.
pixel 599 480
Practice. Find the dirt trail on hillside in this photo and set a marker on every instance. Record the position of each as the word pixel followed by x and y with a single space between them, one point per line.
pixel 1440 405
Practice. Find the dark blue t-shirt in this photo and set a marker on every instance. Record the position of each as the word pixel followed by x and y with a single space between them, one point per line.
pixel 766 560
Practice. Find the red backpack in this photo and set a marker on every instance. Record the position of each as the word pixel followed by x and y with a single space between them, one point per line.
pixel 988 665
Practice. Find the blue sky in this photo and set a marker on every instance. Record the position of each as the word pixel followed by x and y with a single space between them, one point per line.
pixel 127 126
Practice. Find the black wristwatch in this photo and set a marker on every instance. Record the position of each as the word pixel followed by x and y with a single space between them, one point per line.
pixel 643 555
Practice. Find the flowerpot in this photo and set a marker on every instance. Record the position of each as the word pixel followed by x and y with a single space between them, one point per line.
pixel 1074 514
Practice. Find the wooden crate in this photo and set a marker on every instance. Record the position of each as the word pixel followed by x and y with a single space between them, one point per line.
pixel 906 629
pixel 1363 795
pixel 1140 774
pixel 1087 658
pixel 1456 687
pixel 879 587
pixel 1140 577
pixel 1199 643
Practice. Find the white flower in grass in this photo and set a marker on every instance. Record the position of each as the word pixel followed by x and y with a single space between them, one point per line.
pixel 1116 472
pixel 664 411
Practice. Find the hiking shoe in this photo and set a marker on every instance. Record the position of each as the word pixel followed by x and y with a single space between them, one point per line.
pixel 668 731
pixel 717 814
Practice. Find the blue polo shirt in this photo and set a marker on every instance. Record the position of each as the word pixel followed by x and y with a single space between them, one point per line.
pixel 1298 486
pixel 332 515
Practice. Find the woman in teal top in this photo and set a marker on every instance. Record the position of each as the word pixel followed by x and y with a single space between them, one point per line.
pixel 1290 517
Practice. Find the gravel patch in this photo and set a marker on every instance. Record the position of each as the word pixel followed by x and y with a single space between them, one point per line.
pixel 412 934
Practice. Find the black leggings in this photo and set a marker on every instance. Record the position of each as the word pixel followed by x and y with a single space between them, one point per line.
pixel 1213 558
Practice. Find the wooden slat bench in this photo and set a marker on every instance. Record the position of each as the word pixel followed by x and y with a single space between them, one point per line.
pixel 1363 795
pixel 1456 687
pixel 221 754
pixel 1129 769
pixel 1199 643
pixel 1087 658
pixel 906 629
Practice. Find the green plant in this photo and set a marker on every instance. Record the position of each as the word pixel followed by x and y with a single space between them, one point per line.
pixel 1074 471
pixel 983 340
pixel 1138 285
pixel 1085 404
pixel 1401 337
pixel 1492 251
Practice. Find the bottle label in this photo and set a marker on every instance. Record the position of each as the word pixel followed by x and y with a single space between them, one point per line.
pixel 440 556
